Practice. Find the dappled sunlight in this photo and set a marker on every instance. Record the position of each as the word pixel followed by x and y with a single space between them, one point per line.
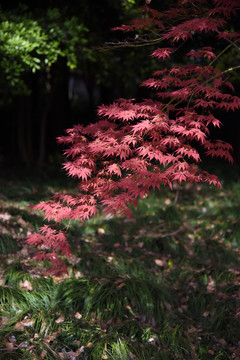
pixel 163 282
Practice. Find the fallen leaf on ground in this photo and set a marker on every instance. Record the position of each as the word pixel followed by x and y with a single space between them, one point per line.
pixel 101 231
pixel 78 315
pixel 26 285
pixel 158 262
pixel 9 345
pixel 3 321
pixel 211 285
pixel 60 320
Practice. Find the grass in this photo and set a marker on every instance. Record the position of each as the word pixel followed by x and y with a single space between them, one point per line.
pixel 162 285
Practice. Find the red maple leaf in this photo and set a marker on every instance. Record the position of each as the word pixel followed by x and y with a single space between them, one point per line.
pixel 162 53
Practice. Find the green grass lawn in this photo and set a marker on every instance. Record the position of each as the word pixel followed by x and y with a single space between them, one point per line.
pixel 161 285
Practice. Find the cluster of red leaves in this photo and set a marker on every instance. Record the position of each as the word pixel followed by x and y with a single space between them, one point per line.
pixel 136 147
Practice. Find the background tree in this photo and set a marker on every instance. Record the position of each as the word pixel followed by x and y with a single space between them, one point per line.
pixel 29 49
pixel 51 71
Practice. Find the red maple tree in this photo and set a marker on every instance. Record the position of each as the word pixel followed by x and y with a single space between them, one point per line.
pixel 138 146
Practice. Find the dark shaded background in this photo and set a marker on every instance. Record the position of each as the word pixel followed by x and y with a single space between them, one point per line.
pixel 60 96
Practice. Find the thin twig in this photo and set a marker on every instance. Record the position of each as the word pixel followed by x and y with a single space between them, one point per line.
pixel 161 235
pixel 230 41
pixel 176 197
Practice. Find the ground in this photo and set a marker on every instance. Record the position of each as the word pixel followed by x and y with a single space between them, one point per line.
pixel 161 285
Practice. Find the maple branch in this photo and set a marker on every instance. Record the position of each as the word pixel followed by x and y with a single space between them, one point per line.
pixel 231 69
pixel 220 54
pixel 231 42
pixel 124 44
pixel 210 64
pixel 170 102
pixel 223 72
pixel 143 42
pixel 135 147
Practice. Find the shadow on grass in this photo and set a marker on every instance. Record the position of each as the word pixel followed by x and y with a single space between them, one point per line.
pixel 162 285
